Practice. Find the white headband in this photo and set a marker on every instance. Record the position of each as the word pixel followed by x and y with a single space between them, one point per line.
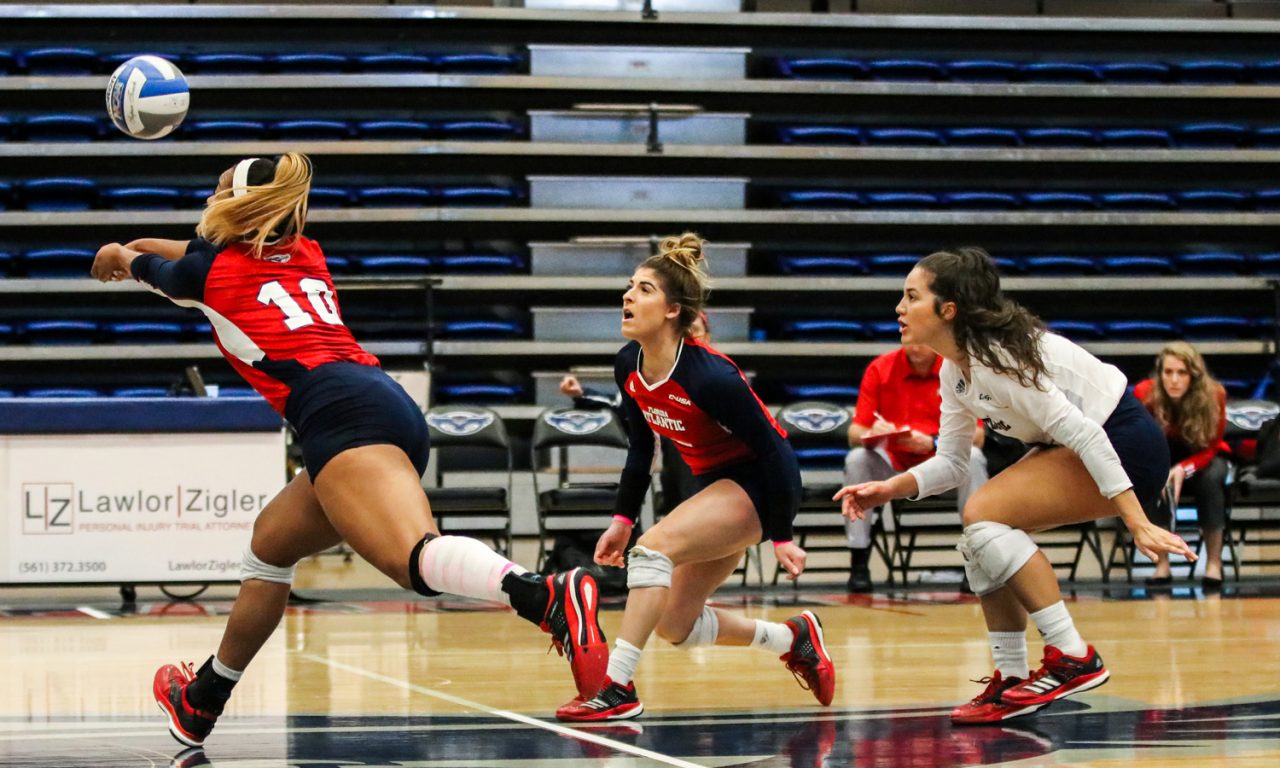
pixel 240 177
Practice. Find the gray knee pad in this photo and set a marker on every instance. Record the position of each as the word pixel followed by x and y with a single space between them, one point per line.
pixel 993 553
pixel 253 568
pixel 646 568
pixel 704 631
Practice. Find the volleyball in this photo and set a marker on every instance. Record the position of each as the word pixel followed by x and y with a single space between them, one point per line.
pixel 147 97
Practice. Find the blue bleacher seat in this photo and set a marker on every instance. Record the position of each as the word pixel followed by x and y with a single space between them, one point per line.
pixel 6 195
pixel 311 130
pixel 830 68
pixel 1077 330
pixel 818 457
pixel 394 264
pixel 1059 201
pixel 481 329
pixel 328 197
pixel 59 61
pixel 141 198
pixel 479 195
pixel 393 130
pixel 62 128
pixel 7 394
pixel 982 71
pixel 1218 327
pixel 1265 72
pixel 131 392
pixel 225 130
pixel 1140 329
pixel 6 333
pixel 819 198
pixel 6 264
pixel 74 393
pixel 405 63
pixel 983 137
pixel 1137 201
pixel 477 129
pixel 1060 72
pixel 393 197
pixel 1060 265
pixel 478 63
pixel 1266 137
pixel 1137 265
pixel 237 391
pixel 337 264
pixel 7 62
pixel 845 135
pixel 228 64
pixel 109 62
pixel 145 332
pixel 1268 264
pixel 1266 200
pixel 59 331
pixel 1059 137
pixel 1212 200
pixel 905 70
pixel 479 393
pixel 305 63
pixel 200 329
pixel 6 128
pixel 884 330
pixel 1209 72
pixel 822 330
pixel 1210 135
pixel 979 201
pixel 1007 265
pixel 59 194
pixel 892 263
pixel 898 200
pixel 1135 138
pixel 491 263
pixel 905 137
pixel 1212 263
pixel 1238 387
pixel 821 265
pixel 1134 72
pixel 57 262
pixel 839 392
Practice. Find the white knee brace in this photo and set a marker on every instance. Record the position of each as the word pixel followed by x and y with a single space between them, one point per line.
pixel 646 568
pixel 253 568
pixel 704 631
pixel 993 553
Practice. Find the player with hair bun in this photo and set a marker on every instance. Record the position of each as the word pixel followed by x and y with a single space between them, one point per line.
pixel 268 294
pixel 748 480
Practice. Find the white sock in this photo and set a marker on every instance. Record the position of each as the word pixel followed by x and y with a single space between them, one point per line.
pixel 1059 630
pixel 464 566
pixel 222 670
pixel 775 637
pixel 623 662
pixel 1009 651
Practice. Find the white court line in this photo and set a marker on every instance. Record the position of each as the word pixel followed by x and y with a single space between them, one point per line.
pixel 89 610
pixel 505 714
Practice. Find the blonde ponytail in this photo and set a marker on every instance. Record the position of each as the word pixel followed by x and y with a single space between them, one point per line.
pixel 273 211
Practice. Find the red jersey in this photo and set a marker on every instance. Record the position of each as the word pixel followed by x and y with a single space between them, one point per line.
pixel 893 389
pixel 273 318
pixel 1192 459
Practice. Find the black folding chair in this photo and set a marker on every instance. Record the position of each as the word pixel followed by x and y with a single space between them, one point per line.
pixel 480 511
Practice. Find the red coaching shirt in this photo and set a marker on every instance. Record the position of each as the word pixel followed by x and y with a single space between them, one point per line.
pixel 273 318
pixel 902 396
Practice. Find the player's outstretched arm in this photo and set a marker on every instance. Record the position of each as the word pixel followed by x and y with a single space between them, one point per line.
pixel 171 250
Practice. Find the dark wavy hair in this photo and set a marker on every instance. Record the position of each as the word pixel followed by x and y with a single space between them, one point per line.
pixel 996 331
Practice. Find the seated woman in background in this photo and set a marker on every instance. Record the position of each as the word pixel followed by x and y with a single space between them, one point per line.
pixel 1191 406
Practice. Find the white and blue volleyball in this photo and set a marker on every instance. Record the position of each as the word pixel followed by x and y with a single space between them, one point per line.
pixel 147 97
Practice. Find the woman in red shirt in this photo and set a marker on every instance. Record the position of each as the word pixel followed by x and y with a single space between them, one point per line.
pixel 1192 408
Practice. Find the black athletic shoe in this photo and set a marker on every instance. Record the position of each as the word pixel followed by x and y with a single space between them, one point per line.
pixel 808 659
pixel 190 726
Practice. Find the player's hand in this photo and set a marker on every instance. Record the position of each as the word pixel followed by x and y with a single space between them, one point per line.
pixel 110 263
pixel 612 544
pixel 1151 539
pixel 571 387
pixel 857 500
pixel 791 558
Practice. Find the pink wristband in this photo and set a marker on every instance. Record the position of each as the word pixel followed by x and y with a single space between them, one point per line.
pixel 777 544
pixel 624 519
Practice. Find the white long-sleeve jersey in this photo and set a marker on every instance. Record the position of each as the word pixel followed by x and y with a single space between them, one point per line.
pixel 1080 394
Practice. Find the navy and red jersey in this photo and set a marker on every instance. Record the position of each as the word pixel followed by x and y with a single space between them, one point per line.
pixel 273 318
pixel 707 409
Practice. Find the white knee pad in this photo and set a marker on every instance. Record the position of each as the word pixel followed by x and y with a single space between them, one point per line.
pixel 704 631
pixel 253 568
pixel 993 553
pixel 646 568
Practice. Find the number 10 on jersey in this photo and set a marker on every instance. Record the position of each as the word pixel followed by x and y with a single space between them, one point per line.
pixel 295 316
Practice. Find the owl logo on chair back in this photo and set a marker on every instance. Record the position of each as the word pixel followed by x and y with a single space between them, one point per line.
pixel 577 422
pixel 459 423
pixel 816 419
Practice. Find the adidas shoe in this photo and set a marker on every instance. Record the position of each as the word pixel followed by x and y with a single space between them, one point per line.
pixel 572 621
pixel 989 706
pixel 612 702
pixel 1059 675
pixel 190 726
pixel 808 659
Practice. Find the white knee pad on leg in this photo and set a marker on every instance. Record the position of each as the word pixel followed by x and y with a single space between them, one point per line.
pixel 993 553
pixel 646 568
pixel 704 632
pixel 253 568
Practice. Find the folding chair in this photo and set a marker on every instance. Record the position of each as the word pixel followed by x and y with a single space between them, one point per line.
pixel 472 510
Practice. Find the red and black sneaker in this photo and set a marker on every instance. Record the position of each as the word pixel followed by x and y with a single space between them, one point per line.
pixel 572 621
pixel 808 659
pixel 190 726
pixel 989 706
pixel 1059 676
pixel 612 702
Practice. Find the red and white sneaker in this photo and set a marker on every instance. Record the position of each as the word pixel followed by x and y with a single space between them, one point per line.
pixel 990 706
pixel 808 659
pixel 1059 676
pixel 187 724
pixel 612 702
pixel 572 621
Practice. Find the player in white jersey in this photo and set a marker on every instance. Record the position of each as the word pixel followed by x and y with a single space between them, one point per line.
pixel 1097 453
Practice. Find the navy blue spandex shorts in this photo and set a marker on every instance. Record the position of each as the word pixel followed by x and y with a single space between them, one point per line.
pixel 749 475
pixel 342 405
pixel 1143 450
